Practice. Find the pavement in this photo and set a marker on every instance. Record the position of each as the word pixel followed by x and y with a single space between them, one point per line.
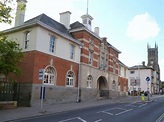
pixel 23 112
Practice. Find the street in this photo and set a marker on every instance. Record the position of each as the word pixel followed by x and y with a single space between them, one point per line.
pixel 148 111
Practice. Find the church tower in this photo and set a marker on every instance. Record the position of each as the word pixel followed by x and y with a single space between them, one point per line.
pixel 153 57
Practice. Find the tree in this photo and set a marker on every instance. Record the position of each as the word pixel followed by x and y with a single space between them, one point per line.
pixel 10 53
pixel 5 11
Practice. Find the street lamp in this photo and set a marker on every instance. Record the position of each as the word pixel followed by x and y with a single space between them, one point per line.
pixel 79 79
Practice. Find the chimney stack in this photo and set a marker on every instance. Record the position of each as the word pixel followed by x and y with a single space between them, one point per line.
pixel 96 31
pixel 20 13
pixel 65 18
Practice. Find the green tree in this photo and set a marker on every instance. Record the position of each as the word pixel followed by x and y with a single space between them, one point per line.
pixel 5 11
pixel 10 53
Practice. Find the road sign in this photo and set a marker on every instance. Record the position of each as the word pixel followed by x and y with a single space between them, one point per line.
pixel 41 73
pixel 147 79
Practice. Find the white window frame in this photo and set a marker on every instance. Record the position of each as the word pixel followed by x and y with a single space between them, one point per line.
pixel 72 51
pixel 91 40
pixel 49 76
pixel 27 40
pixel 52 44
pixel 90 57
pixel 89 81
pixel 70 79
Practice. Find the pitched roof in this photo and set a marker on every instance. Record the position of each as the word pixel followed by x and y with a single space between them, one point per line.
pixel 76 24
pixel 122 64
pixel 50 22
pixel 46 22
pixel 140 67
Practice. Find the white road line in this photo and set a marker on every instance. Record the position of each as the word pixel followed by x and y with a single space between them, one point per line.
pixel 123 112
pixel 122 108
pixel 111 109
pixel 73 119
pixel 160 118
pixel 81 119
pixel 142 105
pixel 107 112
pixel 131 105
pixel 98 120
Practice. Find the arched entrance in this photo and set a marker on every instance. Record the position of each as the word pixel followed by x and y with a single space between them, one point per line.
pixel 103 87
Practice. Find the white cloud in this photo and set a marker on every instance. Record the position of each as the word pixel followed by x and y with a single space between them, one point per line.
pixel 142 27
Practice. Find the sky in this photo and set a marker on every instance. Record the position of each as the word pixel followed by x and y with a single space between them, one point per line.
pixel 129 25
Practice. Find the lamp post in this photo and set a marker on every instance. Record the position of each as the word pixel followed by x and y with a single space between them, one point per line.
pixel 79 78
pixel 139 78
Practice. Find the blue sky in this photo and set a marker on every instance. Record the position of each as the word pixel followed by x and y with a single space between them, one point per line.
pixel 128 24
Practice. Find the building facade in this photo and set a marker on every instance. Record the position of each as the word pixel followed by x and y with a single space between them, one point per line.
pixel 123 79
pixel 78 64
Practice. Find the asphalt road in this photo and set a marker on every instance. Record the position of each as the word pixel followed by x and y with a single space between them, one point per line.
pixel 151 111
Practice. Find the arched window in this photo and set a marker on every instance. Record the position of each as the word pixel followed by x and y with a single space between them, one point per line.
pixel 89 81
pixel 49 76
pixel 70 79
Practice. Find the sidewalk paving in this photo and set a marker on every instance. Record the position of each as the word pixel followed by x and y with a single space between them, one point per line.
pixel 23 112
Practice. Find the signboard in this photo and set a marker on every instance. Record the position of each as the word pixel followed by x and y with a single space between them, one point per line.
pixel 147 79
pixel 41 73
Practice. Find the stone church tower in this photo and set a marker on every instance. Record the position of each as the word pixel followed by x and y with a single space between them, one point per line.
pixel 153 57
pixel 153 62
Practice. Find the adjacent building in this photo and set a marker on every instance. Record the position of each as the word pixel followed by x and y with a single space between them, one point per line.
pixel 146 77
pixel 123 79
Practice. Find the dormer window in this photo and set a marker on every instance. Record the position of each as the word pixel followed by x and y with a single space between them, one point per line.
pixel 27 39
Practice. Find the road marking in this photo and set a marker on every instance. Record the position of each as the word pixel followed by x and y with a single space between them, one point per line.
pixel 131 105
pixel 73 119
pixel 123 111
pixel 142 105
pixel 107 112
pixel 98 120
pixel 160 118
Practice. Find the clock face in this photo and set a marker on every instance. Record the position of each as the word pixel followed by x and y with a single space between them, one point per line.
pixel 151 62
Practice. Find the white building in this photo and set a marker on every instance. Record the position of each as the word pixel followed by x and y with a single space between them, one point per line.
pixel 142 78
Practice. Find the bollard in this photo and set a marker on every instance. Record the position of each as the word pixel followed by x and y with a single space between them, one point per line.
pixel 148 96
pixel 142 97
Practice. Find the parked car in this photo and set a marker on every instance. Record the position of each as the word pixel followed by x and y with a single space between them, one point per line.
pixel 146 93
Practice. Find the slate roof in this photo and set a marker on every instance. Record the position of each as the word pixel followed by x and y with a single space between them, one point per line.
pixel 50 22
pixel 140 67
pixel 122 64
pixel 76 24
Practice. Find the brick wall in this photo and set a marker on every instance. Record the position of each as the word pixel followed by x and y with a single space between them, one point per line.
pixel 34 60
